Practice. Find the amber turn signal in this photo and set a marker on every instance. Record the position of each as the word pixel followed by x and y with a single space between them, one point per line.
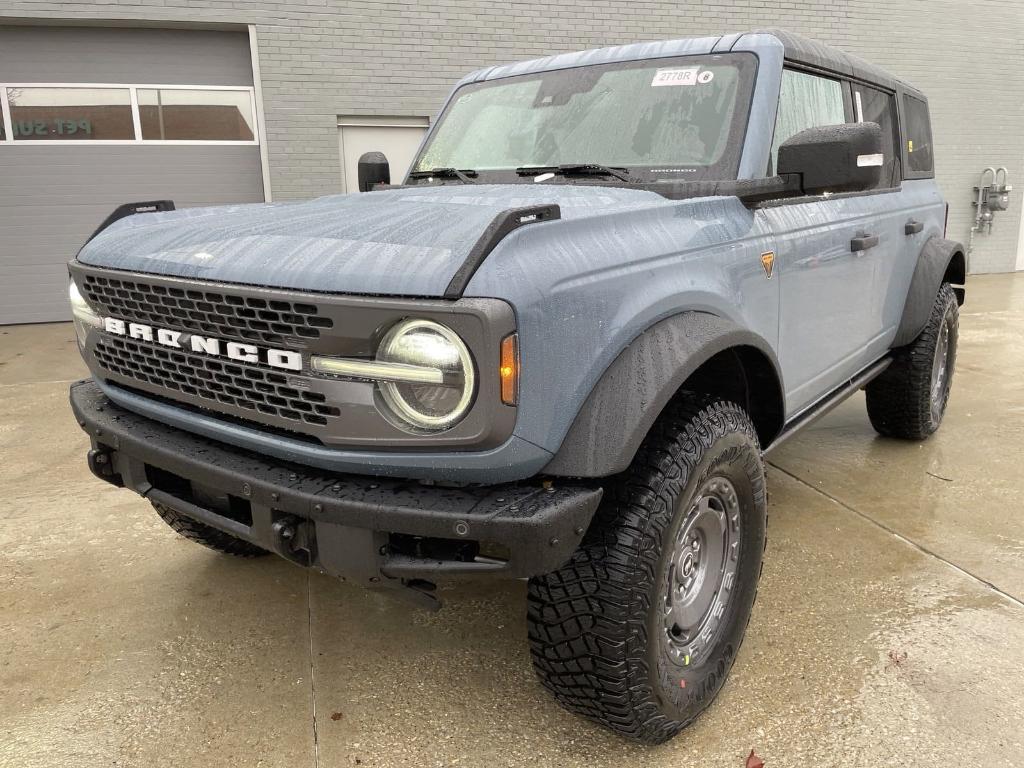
pixel 509 369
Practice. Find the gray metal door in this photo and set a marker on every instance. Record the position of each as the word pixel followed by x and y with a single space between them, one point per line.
pixel 95 117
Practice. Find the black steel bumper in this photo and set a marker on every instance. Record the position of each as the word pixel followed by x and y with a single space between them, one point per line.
pixel 380 532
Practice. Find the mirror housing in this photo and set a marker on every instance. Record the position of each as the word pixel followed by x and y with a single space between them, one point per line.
pixel 373 170
pixel 834 158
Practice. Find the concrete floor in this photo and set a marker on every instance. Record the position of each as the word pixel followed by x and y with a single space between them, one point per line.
pixel 888 630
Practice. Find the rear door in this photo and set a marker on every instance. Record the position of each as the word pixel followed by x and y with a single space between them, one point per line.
pixel 922 208
pixel 896 216
pixel 830 322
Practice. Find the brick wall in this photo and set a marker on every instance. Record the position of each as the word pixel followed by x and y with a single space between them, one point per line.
pixel 324 58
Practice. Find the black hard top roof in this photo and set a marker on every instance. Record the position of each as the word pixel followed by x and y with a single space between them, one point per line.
pixel 812 53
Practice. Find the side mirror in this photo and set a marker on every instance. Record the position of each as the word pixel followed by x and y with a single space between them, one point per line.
pixel 834 158
pixel 373 170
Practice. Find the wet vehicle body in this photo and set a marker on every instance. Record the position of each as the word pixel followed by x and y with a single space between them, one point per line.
pixel 611 282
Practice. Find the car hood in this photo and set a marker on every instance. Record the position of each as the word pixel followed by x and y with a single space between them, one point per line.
pixel 399 242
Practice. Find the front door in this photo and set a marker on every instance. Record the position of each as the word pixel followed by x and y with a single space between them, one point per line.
pixel 829 256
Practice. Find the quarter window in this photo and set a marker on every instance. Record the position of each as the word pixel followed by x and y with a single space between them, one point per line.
pixel 873 106
pixel 178 114
pixel 805 101
pixel 90 114
pixel 917 135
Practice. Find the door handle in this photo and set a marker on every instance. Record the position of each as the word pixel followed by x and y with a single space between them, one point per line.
pixel 863 242
pixel 913 227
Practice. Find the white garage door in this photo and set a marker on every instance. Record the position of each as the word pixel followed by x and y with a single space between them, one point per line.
pixel 397 137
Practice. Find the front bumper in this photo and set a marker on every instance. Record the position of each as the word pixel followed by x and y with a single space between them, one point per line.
pixel 376 531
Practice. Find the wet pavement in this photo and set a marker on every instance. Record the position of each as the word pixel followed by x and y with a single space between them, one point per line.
pixel 888 629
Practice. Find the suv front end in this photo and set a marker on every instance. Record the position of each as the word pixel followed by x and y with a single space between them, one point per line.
pixel 351 434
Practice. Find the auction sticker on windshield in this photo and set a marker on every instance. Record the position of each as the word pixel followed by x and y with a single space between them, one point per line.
pixel 676 76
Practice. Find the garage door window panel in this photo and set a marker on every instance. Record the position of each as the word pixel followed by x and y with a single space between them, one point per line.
pixel 178 114
pixel 70 114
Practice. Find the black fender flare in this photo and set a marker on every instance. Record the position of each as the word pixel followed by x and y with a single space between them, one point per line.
pixel 636 387
pixel 940 260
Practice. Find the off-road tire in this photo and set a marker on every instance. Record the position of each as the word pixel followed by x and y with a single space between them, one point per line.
pixel 203 534
pixel 596 626
pixel 901 402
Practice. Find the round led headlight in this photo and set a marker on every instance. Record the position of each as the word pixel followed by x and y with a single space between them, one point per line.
pixel 434 405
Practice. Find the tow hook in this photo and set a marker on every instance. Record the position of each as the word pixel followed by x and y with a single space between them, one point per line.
pixel 101 464
pixel 292 540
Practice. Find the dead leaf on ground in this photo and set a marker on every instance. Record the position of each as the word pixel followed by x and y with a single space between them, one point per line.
pixel 336 716
pixel 896 658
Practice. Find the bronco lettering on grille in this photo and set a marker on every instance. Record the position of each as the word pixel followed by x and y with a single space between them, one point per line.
pixel 234 350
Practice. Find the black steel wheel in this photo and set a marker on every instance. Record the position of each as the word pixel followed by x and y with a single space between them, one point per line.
pixel 701 570
pixel 942 368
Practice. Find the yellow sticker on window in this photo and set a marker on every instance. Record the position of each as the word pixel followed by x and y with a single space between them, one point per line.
pixel 910 145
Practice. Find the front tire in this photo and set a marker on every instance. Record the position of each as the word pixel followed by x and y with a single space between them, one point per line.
pixel 203 534
pixel 640 629
pixel 908 400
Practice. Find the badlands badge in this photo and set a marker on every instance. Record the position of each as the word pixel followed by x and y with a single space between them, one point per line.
pixel 768 262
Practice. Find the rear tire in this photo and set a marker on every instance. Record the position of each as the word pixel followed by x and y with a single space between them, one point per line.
pixel 639 630
pixel 209 537
pixel 908 400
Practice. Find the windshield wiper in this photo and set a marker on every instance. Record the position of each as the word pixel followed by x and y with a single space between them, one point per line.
pixel 466 175
pixel 575 169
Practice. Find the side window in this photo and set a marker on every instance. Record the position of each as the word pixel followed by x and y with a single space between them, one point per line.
pixel 917 135
pixel 874 106
pixel 805 101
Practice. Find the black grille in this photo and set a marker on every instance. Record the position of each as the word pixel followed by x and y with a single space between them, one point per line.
pixel 240 386
pixel 213 313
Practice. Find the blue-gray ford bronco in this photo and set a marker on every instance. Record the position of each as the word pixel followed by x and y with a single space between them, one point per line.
pixel 558 350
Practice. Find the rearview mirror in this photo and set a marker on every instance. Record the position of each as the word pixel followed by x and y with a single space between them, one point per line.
pixel 834 158
pixel 373 170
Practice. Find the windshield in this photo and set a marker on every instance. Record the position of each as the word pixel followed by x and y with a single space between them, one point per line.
pixel 681 118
